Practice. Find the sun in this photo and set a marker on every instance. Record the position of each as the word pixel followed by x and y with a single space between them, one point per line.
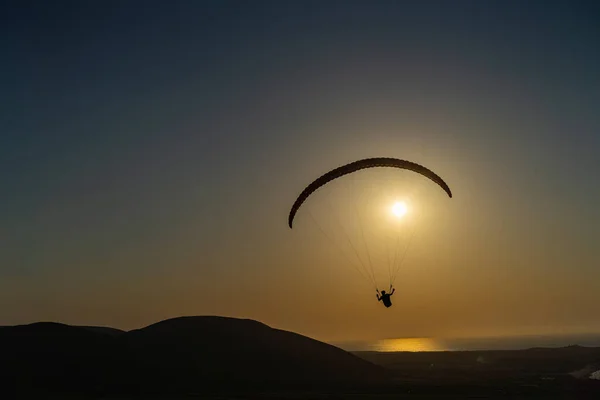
pixel 399 209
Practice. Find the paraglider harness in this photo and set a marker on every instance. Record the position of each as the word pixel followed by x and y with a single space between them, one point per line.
pixel 385 297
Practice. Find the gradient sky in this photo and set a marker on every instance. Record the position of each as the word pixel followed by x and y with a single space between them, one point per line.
pixel 150 151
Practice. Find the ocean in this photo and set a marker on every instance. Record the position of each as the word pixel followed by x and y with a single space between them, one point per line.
pixel 472 344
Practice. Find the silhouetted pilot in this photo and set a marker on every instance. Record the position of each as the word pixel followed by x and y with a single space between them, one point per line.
pixel 386 297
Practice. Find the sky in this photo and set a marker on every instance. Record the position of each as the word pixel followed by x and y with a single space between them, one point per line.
pixel 150 152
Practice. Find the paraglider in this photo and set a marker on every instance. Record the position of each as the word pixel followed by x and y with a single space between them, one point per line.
pixel 399 209
pixel 385 297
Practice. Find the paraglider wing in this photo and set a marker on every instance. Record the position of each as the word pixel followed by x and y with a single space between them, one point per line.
pixel 362 164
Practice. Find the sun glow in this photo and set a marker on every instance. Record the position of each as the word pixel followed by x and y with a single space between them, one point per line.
pixel 408 344
pixel 399 209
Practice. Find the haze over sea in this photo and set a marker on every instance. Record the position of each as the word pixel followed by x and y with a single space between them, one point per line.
pixel 472 344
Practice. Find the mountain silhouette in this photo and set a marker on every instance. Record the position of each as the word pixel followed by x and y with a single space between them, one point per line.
pixel 103 329
pixel 186 354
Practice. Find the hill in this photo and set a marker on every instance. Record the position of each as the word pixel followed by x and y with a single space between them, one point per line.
pixel 233 352
pixel 180 355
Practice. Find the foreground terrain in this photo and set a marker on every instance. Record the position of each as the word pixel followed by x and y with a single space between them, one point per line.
pixel 227 358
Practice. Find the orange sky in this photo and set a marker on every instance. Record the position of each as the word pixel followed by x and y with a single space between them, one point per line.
pixel 148 166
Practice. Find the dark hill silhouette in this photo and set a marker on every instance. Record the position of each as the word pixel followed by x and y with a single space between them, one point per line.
pixel 103 329
pixel 187 354
pixel 52 356
pixel 227 351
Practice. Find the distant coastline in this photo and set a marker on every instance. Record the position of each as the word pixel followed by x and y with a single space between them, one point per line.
pixel 473 344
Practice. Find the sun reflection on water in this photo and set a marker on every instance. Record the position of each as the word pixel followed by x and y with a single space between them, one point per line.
pixel 408 344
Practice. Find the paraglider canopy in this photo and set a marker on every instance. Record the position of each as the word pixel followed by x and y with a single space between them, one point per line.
pixel 391 232
pixel 362 164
